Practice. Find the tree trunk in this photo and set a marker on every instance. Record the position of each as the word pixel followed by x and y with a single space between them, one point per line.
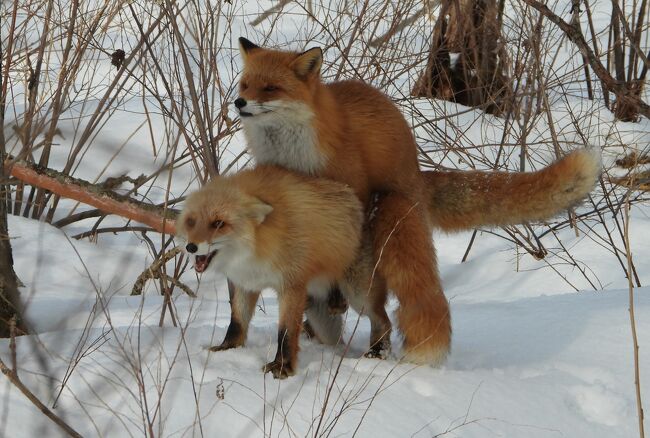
pixel 161 219
pixel 467 62
pixel 10 305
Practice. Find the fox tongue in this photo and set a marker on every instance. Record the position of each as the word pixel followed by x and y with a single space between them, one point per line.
pixel 201 262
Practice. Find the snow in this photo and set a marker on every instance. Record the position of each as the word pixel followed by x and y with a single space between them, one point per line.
pixel 541 348
pixel 530 358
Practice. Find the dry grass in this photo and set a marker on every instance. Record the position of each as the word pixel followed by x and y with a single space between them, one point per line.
pixel 67 89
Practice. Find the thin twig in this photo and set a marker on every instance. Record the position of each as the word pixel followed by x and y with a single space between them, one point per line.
pixel 635 342
pixel 15 380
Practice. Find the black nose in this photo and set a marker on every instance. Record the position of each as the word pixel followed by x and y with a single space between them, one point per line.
pixel 240 102
pixel 191 247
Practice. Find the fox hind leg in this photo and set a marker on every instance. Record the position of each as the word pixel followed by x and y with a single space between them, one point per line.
pixel 336 301
pixel 324 322
pixel 321 324
pixel 367 296
pixel 406 260
pixel 380 326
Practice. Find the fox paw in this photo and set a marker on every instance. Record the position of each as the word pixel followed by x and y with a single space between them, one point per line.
pixel 279 369
pixel 224 346
pixel 378 351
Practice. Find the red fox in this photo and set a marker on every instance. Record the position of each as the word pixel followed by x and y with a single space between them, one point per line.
pixel 350 132
pixel 269 227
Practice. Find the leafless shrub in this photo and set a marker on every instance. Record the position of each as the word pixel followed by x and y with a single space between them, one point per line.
pixel 75 73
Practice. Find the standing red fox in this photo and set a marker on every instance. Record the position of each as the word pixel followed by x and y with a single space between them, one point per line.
pixel 350 132
pixel 269 227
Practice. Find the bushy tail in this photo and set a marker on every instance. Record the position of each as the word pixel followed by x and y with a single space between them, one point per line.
pixel 461 200
pixel 322 324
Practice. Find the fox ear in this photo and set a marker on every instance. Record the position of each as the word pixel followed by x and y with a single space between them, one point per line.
pixel 245 47
pixel 258 210
pixel 308 63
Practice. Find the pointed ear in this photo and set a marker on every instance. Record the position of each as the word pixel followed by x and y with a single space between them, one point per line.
pixel 245 47
pixel 308 63
pixel 258 210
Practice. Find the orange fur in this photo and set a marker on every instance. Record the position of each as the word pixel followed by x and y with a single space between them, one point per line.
pixel 269 227
pixel 349 131
pixel 461 200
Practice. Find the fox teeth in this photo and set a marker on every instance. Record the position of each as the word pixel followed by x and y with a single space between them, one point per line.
pixel 201 262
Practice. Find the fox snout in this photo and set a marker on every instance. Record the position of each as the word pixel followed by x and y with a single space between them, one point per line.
pixel 241 103
pixel 201 254
pixel 197 249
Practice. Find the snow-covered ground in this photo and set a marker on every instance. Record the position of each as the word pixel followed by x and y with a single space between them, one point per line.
pixel 541 348
pixel 531 357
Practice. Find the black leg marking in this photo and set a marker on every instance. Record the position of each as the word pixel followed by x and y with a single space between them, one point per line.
pixel 283 353
pixel 336 302
pixel 282 367
pixel 379 350
pixel 232 339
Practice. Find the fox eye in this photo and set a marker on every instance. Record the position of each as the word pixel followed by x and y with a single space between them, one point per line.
pixel 216 224
pixel 243 86
pixel 190 222
pixel 270 88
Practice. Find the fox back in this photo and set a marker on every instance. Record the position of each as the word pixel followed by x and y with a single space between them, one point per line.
pixel 283 226
pixel 347 131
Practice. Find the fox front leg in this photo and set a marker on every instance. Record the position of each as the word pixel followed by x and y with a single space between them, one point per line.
pixel 284 365
pixel 292 305
pixel 242 307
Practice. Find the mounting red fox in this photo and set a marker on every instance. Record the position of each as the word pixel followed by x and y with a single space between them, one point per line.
pixel 269 227
pixel 350 132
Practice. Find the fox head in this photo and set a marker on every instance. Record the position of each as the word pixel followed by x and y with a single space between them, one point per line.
pixel 217 218
pixel 277 84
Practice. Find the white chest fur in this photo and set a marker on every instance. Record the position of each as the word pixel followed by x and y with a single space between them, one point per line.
pixel 285 137
pixel 240 265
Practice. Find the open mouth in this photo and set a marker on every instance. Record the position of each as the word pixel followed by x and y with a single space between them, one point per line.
pixel 247 114
pixel 201 262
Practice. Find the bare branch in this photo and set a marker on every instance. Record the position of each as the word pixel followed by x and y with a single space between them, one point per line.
pixel 161 220
pixel 574 34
